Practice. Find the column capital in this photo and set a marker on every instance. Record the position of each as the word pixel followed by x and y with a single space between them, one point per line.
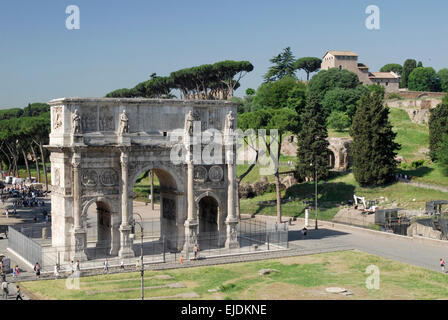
pixel 124 158
pixel 76 160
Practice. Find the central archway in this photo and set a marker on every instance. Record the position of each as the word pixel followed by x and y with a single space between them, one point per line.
pixel 98 222
pixel 161 224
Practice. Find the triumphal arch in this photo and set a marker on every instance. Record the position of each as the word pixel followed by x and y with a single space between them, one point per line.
pixel 99 147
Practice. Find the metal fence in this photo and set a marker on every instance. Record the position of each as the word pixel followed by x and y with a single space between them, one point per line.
pixel 25 246
pixel 252 236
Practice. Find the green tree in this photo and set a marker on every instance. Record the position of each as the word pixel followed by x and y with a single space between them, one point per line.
pixel 419 64
pixel 276 122
pixel 442 154
pixel 283 93
pixel 312 154
pixel 408 66
pixel 327 80
pixel 373 149
pixel 283 66
pixel 443 76
pixel 343 100
pixel 438 127
pixel 308 64
pixel 338 120
pixel 424 79
pixel 250 92
pixel 394 67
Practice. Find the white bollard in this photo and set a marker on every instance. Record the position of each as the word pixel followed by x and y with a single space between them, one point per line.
pixel 307 213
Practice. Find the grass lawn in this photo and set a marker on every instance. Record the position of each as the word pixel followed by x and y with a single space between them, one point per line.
pixel 303 277
pixel 336 192
pixel 413 137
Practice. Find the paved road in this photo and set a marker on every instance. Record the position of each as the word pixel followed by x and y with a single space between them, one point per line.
pixel 421 255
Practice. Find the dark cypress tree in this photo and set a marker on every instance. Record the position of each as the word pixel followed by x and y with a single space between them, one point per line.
pixel 312 143
pixel 408 66
pixel 438 127
pixel 373 148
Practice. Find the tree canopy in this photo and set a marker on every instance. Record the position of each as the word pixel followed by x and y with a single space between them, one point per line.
pixel 284 93
pixel 207 81
pixel 394 67
pixel 308 64
pixel 373 148
pixel 408 66
pixel 327 80
pixel 438 127
pixel 443 76
pixel 424 79
pixel 283 66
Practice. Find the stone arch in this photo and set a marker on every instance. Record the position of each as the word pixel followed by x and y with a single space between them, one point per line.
pixel 105 233
pixel 166 175
pixel 210 220
pixel 171 200
pixel 422 95
pixel 93 200
pixel 208 194
pixel 334 157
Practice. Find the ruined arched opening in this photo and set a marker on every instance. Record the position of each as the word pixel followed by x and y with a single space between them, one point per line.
pixel 331 159
pixel 159 220
pixel 208 218
pixel 98 224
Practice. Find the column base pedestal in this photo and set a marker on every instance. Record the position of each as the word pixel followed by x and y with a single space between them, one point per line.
pixel 124 139
pixel 125 243
pixel 79 244
pixel 191 237
pixel 232 234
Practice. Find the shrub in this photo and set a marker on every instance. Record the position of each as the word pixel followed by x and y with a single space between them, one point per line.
pixel 394 95
pixel 417 164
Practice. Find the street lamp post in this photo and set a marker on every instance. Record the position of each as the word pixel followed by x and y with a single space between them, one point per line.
pixel 315 190
pixel 142 269
pixel 315 193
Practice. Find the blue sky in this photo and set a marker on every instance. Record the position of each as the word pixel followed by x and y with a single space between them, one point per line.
pixel 120 43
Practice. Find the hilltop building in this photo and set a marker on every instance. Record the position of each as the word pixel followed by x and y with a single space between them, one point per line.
pixel 348 60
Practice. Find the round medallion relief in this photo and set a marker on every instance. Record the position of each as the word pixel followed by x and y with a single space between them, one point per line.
pixel 200 173
pixel 216 173
pixel 109 178
pixel 89 178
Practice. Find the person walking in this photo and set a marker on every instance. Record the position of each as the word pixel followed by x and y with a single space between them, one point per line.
pixel 18 293
pixel 78 266
pixel 15 271
pixel 37 269
pixel 72 267
pixel 106 266
pixel 195 250
pixel 304 231
pixel 442 265
pixel 181 259
pixel 276 226
pixel 121 264
pixel 56 270
pixel 5 290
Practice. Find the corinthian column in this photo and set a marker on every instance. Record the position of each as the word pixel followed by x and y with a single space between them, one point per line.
pixel 76 163
pixel 125 228
pixel 231 221
pixel 78 232
pixel 191 224
pixel 190 192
